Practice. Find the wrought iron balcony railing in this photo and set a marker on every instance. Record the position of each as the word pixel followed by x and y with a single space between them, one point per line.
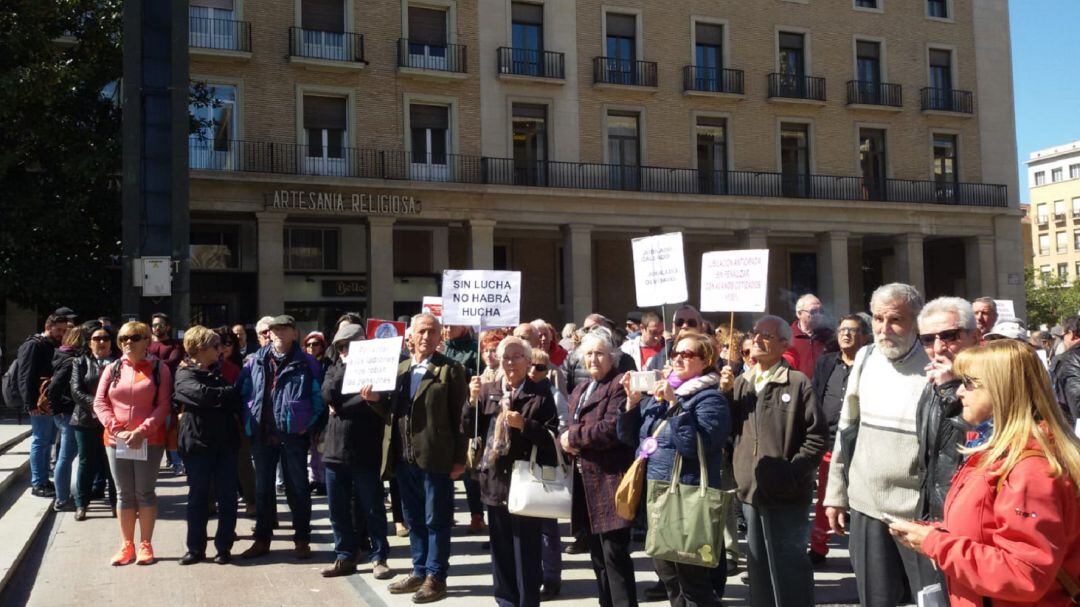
pixel 862 92
pixel 531 62
pixel 609 70
pixel 219 34
pixel 790 86
pixel 947 100
pixel 713 80
pixel 437 57
pixel 328 46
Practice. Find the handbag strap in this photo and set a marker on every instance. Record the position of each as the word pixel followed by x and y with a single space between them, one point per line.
pixel 558 452
pixel 703 471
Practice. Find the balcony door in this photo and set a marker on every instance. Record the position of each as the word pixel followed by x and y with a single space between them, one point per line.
pixel 872 162
pixel 527 31
pixel 708 56
pixel 325 130
pixel 795 160
pixel 792 54
pixel 621 48
pixel 624 150
pixel 323 23
pixel 712 155
pixel 945 170
pixel 941 78
pixel 868 71
pixel 210 146
pixel 427 38
pixel 530 144
pixel 210 23
pixel 430 139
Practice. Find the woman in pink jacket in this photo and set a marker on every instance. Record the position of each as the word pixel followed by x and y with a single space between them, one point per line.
pixel 1011 532
pixel 133 401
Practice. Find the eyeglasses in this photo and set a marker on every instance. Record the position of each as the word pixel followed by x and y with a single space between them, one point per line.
pixel 123 339
pixel 540 368
pixel 689 322
pixel 101 338
pixel 158 325
pixel 847 331
pixel 312 344
pixel 813 311
pixel 948 337
pixel 684 354
pixel 970 383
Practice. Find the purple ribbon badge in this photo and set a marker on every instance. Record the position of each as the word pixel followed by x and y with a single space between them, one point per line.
pixel 648 447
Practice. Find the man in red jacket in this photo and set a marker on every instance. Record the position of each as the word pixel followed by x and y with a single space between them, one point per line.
pixel 809 339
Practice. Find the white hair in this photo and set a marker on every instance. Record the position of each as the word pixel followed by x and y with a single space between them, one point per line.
pixel 568 330
pixel 965 316
pixel 802 301
pixel 783 329
pixel 597 335
pixel 514 341
pixel 263 324
pixel 897 292
pixel 419 317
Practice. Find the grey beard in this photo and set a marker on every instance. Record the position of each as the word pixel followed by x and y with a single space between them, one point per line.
pixel 895 352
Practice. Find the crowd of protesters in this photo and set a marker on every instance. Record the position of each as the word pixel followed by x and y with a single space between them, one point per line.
pixel 939 437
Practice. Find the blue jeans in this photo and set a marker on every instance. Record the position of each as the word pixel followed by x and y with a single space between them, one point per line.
pixel 68 449
pixel 427 501
pixel 204 470
pixel 776 560
pixel 291 450
pixel 345 483
pixel 43 433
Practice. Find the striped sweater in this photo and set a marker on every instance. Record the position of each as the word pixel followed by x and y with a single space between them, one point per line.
pixel 883 400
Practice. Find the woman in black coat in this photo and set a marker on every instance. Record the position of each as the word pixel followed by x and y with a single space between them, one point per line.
pixel 532 419
pixel 352 451
pixel 209 441
pixel 93 463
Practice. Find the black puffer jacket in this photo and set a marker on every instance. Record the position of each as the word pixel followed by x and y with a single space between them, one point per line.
pixel 941 432
pixel 354 431
pixel 85 373
pixel 59 391
pixel 1066 374
pixel 212 415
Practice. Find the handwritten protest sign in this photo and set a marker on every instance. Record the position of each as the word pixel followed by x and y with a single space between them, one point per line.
pixel 1005 309
pixel 659 269
pixel 734 281
pixel 379 329
pixel 433 306
pixel 481 298
pixel 372 361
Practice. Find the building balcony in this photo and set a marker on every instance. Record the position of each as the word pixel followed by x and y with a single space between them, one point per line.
pixel 222 38
pixel 946 100
pixel 530 64
pixel 444 61
pixel 294 159
pixel 801 89
pixel 609 71
pixel 326 51
pixel 873 95
pixel 1059 217
pixel 711 80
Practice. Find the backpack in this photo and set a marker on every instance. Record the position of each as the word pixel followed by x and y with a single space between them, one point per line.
pixel 10 383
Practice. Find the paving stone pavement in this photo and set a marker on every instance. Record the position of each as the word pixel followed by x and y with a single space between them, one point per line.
pixel 73 568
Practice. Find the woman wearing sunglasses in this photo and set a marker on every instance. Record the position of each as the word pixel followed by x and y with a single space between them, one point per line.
pixel 693 409
pixel 1011 532
pixel 93 463
pixel 133 401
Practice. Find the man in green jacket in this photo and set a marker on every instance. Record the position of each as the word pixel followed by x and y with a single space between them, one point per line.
pixel 462 347
pixel 428 453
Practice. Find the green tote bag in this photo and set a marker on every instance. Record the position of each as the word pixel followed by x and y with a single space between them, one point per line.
pixel 685 521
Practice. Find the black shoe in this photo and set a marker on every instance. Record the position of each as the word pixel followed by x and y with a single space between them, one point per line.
pixel 816 558
pixel 580 546
pixel 43 491
pixel 732 567
pixel 98 494
pixel 66 506
pixel 223 558
pixel 191 558
pixel 656 592
pixel 549 592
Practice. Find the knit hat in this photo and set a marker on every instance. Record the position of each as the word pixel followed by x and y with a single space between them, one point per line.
pixel 315 335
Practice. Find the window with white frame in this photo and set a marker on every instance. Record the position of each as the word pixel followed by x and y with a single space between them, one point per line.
pixel 1063 271
pixel 210 146
pixel 1041 213
pixel 323 23
pixel 429 138
pixel 937 8
pixel 1059 210
pixel 1055 175
pixel 1074 171
pixel 1062 241
pixel 1044 244
pixel 325 135
pixel 1044 271
pixel 210 24
pixel 1076 207
pixel 1040 177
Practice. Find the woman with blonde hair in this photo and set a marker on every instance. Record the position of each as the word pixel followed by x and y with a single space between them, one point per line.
pixel 1011 532
pixel 133 401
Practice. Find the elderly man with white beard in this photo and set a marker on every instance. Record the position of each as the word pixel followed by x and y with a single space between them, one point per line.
pixel 880 478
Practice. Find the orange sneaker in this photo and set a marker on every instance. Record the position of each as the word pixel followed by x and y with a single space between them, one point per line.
pixel 124 556
pixel 146 553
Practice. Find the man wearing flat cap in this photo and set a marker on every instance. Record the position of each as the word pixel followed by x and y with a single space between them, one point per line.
pixel 285 407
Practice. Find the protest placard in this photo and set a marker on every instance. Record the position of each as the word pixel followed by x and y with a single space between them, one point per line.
pixel 734 281
pixel 432 305
pixel 477 298
pixel 1005 309
pixel 372 361
pixel 659 269
pixel 380 329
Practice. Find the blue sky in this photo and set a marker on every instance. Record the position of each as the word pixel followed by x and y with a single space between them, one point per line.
pixel 1046 77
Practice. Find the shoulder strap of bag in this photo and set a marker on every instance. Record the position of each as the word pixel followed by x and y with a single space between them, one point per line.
pixel 1026 453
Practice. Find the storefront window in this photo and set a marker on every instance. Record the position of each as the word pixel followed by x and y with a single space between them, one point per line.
pixel 215 247
pixel 311 248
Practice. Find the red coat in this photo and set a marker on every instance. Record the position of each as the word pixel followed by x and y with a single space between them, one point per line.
pixel 808 347
pixel 1008 547
pixel 557 354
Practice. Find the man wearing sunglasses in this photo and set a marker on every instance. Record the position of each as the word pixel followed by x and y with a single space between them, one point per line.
pixel 686 318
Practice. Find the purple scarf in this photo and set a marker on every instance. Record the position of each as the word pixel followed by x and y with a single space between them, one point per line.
pixel 674 381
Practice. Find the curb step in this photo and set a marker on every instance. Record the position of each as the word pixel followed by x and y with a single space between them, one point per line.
pixel 19 527
pixel 14 463
pixel 14 440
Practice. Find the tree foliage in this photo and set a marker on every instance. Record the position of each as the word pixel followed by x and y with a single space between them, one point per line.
pixel 60 162
pixel 1050 299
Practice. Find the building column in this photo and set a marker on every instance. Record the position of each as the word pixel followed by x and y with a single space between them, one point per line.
pixel 271 229
pixel 481 244
pixel 909 261
pixel 440 249
pixel 381 267
pixel 979 259
pixel 578 267
pixel 833 280
pixel 754 238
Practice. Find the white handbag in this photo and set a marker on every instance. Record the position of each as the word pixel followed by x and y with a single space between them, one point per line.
pixel 541 491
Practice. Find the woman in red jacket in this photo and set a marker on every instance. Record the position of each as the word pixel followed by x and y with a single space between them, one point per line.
pixel 1011 532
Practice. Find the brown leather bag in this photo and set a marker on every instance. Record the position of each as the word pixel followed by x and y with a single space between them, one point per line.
pixel 43 404
pixel 632 486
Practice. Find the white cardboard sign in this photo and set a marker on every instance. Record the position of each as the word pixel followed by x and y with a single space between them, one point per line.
pixel 372 361
pixel 432 305
pixel 734 281
pixel 476 298
pixel 659 270
pixel 1005 309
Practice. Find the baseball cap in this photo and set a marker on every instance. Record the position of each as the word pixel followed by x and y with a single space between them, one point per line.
pixel 65 312
pixel 1008 329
